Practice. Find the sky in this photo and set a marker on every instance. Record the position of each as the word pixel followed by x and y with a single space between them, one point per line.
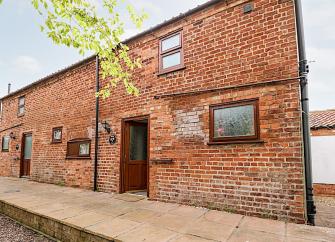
pixel 27 55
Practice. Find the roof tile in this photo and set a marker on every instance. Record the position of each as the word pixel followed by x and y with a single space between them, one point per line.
pixel 322 119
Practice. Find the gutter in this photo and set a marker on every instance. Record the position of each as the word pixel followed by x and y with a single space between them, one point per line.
pixel 303 72
pixel 173 19
pixel 48 77
pixel 96 147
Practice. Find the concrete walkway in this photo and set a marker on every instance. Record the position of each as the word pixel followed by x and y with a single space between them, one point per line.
pixel 132 218
pixel 325 211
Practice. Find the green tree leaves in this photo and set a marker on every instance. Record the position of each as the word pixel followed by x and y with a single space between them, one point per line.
pixel 76 23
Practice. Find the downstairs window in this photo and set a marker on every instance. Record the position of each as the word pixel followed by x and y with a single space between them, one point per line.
pixel 234 121
pixel 79 148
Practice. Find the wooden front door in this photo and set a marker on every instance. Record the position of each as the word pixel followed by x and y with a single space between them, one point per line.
pixel 26 154
pixel 135 155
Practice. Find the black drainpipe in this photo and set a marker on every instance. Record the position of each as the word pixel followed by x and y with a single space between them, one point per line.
pixel 96 126
pixel 303 72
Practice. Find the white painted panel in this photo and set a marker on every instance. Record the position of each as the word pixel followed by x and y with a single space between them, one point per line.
pixel 323 159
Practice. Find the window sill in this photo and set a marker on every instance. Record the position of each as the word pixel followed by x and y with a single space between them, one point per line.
pixel 5 151
pixel 236 142
pixel 78 158
pixel 56 142
pixel 20 115
pixel 163 72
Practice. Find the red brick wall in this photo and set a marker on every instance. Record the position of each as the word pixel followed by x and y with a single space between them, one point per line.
pixel 223 47
pixel 65 100
pixel 322 132
pixel 324 189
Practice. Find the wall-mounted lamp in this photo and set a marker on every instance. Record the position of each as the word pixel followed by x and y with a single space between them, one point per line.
pixel 12 135
pixel 106 126
pixel 112 138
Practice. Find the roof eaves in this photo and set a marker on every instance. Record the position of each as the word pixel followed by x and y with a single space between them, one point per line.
pixel 174 19
pixel 43 79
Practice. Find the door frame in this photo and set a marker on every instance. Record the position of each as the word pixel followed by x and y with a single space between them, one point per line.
pixel 122 150
pixel 22 152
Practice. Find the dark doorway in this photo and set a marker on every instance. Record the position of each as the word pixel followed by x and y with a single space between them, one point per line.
pixel 134 162
pixel 27 141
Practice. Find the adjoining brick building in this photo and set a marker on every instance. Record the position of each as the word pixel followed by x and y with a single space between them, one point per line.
pixel 218 122
pixel 323 142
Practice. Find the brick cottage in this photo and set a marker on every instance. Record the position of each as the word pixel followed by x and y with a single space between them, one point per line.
pixel 218 122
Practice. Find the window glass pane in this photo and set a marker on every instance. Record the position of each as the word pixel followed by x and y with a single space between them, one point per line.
pixel 27 147
pixel 21 110
pixel 171 42
pixel 138 143
pixel 171 60
pixel 5 143
pixel 57 134
pixel 84 149
pixel 234 121
pixel 21 101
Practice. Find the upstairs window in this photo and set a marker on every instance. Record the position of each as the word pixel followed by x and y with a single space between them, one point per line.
pixel 5 144
pixel 171 55
pixel 79 149
pixel 236 121
pixel 22 102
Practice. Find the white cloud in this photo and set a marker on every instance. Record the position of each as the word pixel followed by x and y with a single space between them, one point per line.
pixel 130 33
pixel 27 64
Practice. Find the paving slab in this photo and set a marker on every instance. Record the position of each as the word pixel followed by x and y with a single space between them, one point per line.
pixel 263 225
pixel 129 197
pixel 243 235
pixel 148 233
pixel 113 227
pixel 210 230
pixel 139 219
pixel 291 239
pixel 190 238
pixel 67 213
pixel 172 222
pixel 223 217
pixel 114 211
pixel 86 219
pixel 140 215
pixel 310 232
pixel 188 211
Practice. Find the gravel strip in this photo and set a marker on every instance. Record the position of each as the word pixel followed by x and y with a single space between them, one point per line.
pixel 10 231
